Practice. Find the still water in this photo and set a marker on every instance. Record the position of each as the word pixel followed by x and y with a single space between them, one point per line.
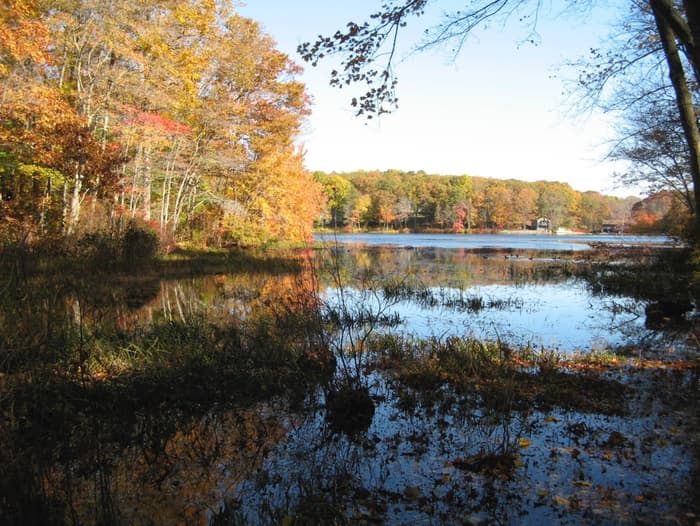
pixel 433 456
pixel 526 283
pixel 502 241
pixel 527 298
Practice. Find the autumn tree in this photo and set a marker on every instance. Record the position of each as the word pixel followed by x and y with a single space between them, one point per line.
pixel 594 210
pixel 630 76
pixel 461 189
pixel 50 160
pixel 403 210
pixel 499 202
pixel 337 191
pixel 23 35
pixel 524 206
pixel 661 212
pixel 189 104
pixel 556 202
pixel 382 210
pixel 464 203
pixel 43 143
pixel 359 213
pixel 651 139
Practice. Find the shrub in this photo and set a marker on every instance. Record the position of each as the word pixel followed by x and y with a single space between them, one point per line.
pixel 139 244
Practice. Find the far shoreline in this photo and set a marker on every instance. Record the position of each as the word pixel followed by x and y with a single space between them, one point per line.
pixel 558 232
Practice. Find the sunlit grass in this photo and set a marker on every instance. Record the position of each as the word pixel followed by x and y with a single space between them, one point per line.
pixel 495 372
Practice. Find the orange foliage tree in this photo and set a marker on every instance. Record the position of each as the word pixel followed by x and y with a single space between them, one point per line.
pixel 52 160
pixel 188 103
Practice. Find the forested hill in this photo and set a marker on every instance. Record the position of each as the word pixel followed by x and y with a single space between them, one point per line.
pixel 416 200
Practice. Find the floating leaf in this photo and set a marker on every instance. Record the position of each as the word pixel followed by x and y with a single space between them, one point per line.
pixel 412 493
pixel 560 501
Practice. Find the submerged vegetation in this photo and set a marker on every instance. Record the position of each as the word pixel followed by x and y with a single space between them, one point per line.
pixel 496 376
pixel 459 300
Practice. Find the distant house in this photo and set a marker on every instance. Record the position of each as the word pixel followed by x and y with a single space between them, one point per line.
pixel 613 227
pixel 541 224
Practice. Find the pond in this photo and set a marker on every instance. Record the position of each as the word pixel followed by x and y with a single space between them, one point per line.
pixel 201 427
pixel 520 241
pixel 525 288
pixel 498 291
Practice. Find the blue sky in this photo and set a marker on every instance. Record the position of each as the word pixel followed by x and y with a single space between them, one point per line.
pixel 499 110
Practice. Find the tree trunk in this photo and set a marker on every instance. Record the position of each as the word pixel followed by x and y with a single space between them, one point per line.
pixel 133 196
pixel 75 202
pixel 684 100
pixel 147 185
pixel 692 12
pixel 685 30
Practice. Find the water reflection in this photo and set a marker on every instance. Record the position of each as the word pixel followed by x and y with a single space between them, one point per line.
pixel 526 299
pixel 241 434
pixel 164 468
pixel 407 468
pixel 521 241
pixel 446 462
pixel 530 298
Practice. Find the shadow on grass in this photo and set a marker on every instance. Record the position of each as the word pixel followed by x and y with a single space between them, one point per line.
pixel 92 400
pixel 61 430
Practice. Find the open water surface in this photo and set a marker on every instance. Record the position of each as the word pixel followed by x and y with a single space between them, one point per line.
pixel 522 241
pixel 526 284
pixel 422 457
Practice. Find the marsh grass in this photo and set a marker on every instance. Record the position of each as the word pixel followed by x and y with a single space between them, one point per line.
pixel 453 299
pixel 498 376
pixel 196 262
pixel 640 273
pixel 73 375
pixel 64 339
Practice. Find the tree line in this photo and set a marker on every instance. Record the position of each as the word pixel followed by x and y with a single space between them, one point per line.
pixel 181 115
pixel 395 199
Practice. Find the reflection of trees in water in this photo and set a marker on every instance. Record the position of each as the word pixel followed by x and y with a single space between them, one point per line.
pixel 151 439
pixel 141 455
pixel 457 268
pixel 410 466
pixel 227 298
pixel 223 298
pixel 162 468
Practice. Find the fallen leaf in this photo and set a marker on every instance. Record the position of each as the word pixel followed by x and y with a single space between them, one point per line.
pixel 561 501
pixel 412 492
